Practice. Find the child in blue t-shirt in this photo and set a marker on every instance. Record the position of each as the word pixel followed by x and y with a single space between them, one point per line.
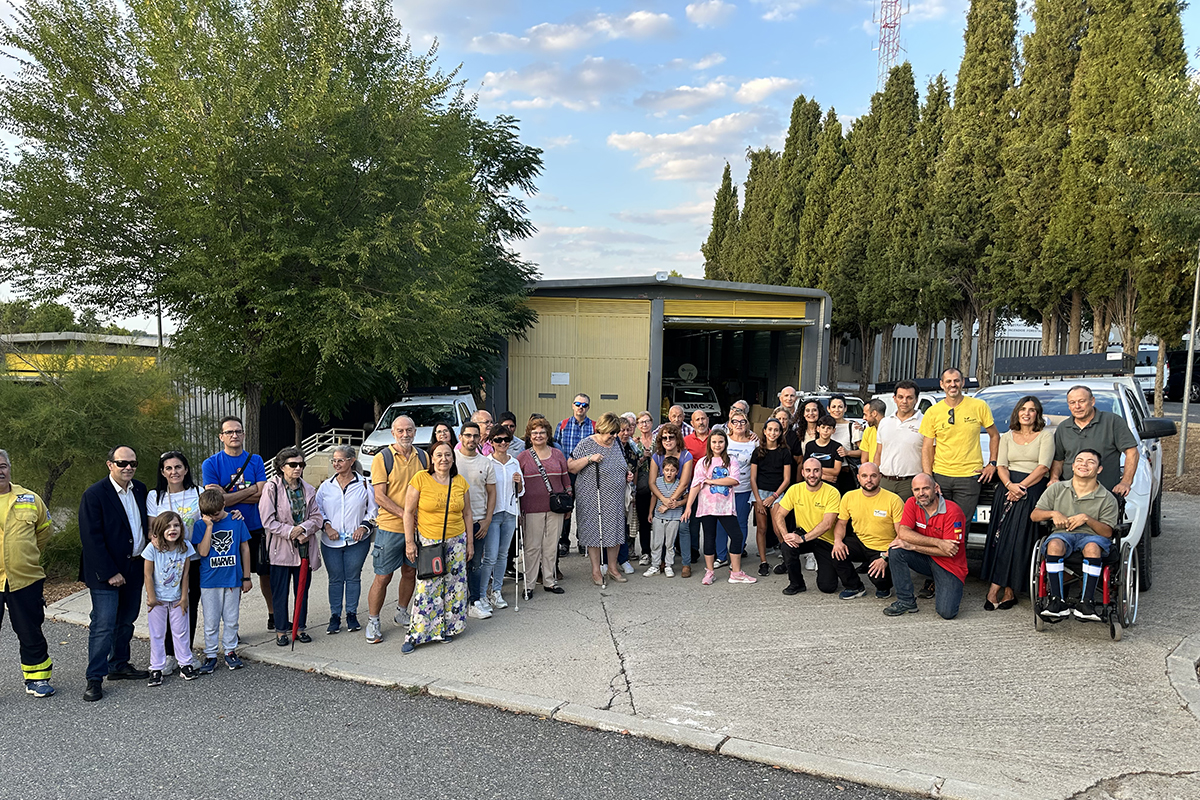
pixel 168 559
pixel 666 519
pixel 222 543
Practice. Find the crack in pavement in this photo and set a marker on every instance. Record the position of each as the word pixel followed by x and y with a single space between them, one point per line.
pixel 619 685
pixel 1112 782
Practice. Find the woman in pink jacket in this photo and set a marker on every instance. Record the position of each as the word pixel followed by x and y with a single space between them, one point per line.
pixel 291 519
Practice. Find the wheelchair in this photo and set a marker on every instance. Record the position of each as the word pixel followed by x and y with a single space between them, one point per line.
pixel 1116 593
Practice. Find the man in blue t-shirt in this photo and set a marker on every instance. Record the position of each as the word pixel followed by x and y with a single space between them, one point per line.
pixel 240 476
pixel 222 543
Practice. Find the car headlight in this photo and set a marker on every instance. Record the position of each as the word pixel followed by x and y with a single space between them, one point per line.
pixel 370 450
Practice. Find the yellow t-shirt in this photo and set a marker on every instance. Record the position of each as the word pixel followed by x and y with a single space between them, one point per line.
pixel 958 453
pixel 431 509
pixel 403 470
pixel 811 507
pixel 870 441
pixel 874 518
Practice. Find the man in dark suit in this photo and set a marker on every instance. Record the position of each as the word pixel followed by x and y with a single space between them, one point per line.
pixel 113 529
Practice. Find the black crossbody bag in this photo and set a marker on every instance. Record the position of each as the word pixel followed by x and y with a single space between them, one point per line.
pixel 431 558
pixel 560 502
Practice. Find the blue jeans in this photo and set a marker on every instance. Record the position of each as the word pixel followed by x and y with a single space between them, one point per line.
pixel 495 550
pixel 689 537
pixel 948 588
pixel 475 564
pixel 113 613
pixel 344 565
pixel 741 503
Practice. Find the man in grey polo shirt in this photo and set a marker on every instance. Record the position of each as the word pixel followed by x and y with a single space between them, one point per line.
pixel 1083 513
pixel 900 442
pixel 1102 431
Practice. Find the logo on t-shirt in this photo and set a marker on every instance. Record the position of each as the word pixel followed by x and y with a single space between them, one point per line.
pixel 880 512
pixel 222 541
pixel 719 472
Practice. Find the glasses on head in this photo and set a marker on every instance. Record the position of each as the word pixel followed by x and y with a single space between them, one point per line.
pixel 294 465
pixel 171 454
pixel 238 432
pixel 125 464
pixel 582 405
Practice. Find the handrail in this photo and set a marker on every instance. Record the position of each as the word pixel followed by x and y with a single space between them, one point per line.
pixel 322 441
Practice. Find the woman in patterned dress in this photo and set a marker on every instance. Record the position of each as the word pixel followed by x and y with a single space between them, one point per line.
pixel 439 604
pixel 600 511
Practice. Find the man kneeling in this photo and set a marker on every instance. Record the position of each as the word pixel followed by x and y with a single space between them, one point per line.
pixel 930 542
pixel 1083 513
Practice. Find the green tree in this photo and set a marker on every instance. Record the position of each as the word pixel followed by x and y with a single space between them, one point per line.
pixel 795 171
pixel 751 246
pixel 288 181
pixel 725 200
pixel 970 171
pixel 828 164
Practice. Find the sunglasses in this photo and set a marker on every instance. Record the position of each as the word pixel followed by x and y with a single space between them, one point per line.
pixel 295 464
pixel 124 464
pixel 583 405
pixel 502 440
pixel 950 417
pixel 666 436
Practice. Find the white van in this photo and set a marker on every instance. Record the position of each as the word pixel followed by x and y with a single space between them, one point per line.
pixel 426 410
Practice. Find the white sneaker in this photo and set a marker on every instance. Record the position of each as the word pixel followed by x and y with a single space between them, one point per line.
pixel 670 573
pixel 373 631
pixel 628 568
pixel 650 572
pixel 644 560
pixel 479 610
pixel 402 619
pixel 810 562
pixel 170 665
pixel 496 600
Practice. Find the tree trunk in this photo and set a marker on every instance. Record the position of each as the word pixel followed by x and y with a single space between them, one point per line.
pixel 56 473
pixel 1075 322
pixel 378 410
pixel 1050 331
pixel 987 346
pixel 253 421
pixel 924 336
pixel 887 341
pixel 965 338
pixel 868 345
pixel 297 424
pixel 1159 372
pixel 835 360
pixel 1100 328
pixel 1063 330
pixel 947 342
pixel 1124 315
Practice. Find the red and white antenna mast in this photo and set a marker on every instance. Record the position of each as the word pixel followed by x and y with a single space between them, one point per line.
pixel 888 19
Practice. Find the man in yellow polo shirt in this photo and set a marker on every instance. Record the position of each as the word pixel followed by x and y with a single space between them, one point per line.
pixel 951 451
pixel 874 516
pixel 814 506
pixel 24 532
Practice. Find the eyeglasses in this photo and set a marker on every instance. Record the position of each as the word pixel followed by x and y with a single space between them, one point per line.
pixel 238 432
pixel 339 460
pixel 737 422
pixel 469 436
pixel 295 464
pixel 124 464
pixel 583 405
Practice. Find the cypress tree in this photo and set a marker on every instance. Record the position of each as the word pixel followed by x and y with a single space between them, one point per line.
pixel 970 172
pixel 756 225
pixel 828 164
pixel 726 199
pixel 930 287
pixel 795 171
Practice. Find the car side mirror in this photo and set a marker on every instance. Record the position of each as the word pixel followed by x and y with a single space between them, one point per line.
pixel 1157 428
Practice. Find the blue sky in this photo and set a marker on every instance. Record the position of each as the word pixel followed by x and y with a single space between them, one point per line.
pixel 639 106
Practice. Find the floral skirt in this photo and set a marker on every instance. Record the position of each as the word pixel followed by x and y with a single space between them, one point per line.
pixel 440 604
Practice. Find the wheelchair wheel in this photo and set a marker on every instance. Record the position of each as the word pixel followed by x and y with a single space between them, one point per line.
pixel 1035 598
pixel 1115 630
pixel 1128 587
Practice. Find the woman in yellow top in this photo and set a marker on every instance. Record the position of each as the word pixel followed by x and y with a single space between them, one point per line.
pixel 437 509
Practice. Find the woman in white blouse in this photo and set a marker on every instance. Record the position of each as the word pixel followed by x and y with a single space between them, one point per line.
pixel 348 509
pixel 176 491
pixel 509 487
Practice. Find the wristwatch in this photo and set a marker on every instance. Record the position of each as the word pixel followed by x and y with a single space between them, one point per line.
pixel 883 554
pixel 991 463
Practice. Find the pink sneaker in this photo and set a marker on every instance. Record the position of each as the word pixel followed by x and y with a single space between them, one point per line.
pixel 741 577
pixel 708 577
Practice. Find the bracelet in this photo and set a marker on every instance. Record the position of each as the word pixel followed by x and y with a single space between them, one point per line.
pixel 245 578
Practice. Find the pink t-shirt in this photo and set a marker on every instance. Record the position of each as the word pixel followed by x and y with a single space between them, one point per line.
pixel 715 501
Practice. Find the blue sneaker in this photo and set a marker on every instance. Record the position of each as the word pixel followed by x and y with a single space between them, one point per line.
pixel 881 594
pixel 39 688
pixel 407 647
pixel 851 594
pixel 208 666
pixel 335 624
pixel 232 661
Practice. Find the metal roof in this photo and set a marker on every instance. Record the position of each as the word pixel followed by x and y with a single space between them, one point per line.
pixel 687 283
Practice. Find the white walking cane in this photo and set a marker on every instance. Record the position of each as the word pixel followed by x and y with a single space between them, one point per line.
pixel 522 570
pixel 600 525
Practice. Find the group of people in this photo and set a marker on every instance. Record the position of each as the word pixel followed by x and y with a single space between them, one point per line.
pixel 889 498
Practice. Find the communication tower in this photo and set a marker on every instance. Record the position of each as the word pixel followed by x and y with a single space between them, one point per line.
pixel 888 18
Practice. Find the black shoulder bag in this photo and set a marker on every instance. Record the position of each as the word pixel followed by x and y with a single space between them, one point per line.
pixel 431 558
pixel 560 502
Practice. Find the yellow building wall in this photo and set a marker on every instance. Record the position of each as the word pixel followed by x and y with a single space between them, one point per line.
pixel 34 364
pixel 603 346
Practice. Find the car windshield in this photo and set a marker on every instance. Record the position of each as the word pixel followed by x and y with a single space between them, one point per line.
pixel 423 414
pixel 1002 401
pixel 695 395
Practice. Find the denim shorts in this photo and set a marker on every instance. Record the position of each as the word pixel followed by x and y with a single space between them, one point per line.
pixel 389 552
pixel 1076 540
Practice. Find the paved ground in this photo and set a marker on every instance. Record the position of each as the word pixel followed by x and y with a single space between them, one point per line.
pixel 982 700
pixel 268 731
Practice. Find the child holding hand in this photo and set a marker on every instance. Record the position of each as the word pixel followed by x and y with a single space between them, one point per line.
pixel 667 512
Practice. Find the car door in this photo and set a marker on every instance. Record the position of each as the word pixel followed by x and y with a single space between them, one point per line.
pixel 1150 449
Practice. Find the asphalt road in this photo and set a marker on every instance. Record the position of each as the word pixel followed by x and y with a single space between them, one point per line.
pixel 273 732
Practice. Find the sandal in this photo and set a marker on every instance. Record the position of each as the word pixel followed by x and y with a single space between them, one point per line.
pixel 282 640
pixel 303 637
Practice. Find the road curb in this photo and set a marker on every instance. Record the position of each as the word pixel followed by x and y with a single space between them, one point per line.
pixel 1181 671
pixel 588 717
pixel 497 698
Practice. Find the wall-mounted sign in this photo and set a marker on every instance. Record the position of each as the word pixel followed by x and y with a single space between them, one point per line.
pixel 560 378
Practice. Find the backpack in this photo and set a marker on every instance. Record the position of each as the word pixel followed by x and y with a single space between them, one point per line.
pixel 389 459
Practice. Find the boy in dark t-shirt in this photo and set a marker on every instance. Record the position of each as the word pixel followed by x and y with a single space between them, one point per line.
pixel 825 450
pixel 223 544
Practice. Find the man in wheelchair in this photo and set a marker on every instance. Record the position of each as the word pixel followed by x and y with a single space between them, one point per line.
pixel 1083 514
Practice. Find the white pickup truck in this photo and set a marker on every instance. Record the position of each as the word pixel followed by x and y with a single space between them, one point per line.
pixel 453 407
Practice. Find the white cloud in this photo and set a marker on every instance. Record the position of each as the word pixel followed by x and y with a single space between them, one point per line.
pixel 759 89
pixel 710 13
pixel 592 235
pixel 547 85
pixel 780 10
pixel 708 61
pixel 698 213
pixel 683 98
pixel 925 10
pixel 697 154
pixel 557 142
pixel 557 37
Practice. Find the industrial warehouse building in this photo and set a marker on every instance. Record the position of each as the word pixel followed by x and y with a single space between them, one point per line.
pixel 620 339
